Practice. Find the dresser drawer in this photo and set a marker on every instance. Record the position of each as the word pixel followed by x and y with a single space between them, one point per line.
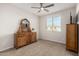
pixel 20 41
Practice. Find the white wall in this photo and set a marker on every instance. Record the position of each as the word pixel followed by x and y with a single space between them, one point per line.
pixel 77 8
pixel 77 12
pixel 10 17
pixel 56 36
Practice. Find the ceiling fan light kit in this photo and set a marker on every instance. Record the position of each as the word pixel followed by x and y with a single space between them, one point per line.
pixel 42 8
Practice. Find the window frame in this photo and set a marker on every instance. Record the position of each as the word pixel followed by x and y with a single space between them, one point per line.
pixel 53 24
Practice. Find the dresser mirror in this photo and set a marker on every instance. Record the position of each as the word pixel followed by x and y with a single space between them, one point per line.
pixel 25 25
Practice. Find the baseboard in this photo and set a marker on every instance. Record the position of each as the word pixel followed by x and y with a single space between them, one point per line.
pixel 9 48
pixel 53 41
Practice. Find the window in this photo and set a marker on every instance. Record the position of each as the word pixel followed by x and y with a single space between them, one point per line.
pixel 54 23
pixel 49 23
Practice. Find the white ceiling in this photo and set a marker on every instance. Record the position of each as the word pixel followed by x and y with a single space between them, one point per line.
pixel 57 7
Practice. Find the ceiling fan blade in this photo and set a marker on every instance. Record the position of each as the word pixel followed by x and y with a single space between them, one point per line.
pixel 41 4
pixel 48 5
pixel 36 7
pixel 46 10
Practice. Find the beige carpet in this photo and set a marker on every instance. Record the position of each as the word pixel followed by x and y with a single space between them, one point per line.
pixel 40 48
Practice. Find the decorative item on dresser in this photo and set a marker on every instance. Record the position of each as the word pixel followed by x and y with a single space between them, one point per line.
pixel 71 37
pixel 24 35
pixel 70 18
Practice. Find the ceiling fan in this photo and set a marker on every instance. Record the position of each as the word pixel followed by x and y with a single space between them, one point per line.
pixel 41 8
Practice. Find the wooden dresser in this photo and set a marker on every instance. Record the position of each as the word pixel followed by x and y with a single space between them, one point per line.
pixel 71 37
pixel 24 35
pixel 24 38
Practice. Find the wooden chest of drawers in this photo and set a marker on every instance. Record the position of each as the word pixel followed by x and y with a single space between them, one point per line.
pixel 72 38
pixel 24 38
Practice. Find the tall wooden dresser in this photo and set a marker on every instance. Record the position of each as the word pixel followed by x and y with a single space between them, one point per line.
pixel 71 37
